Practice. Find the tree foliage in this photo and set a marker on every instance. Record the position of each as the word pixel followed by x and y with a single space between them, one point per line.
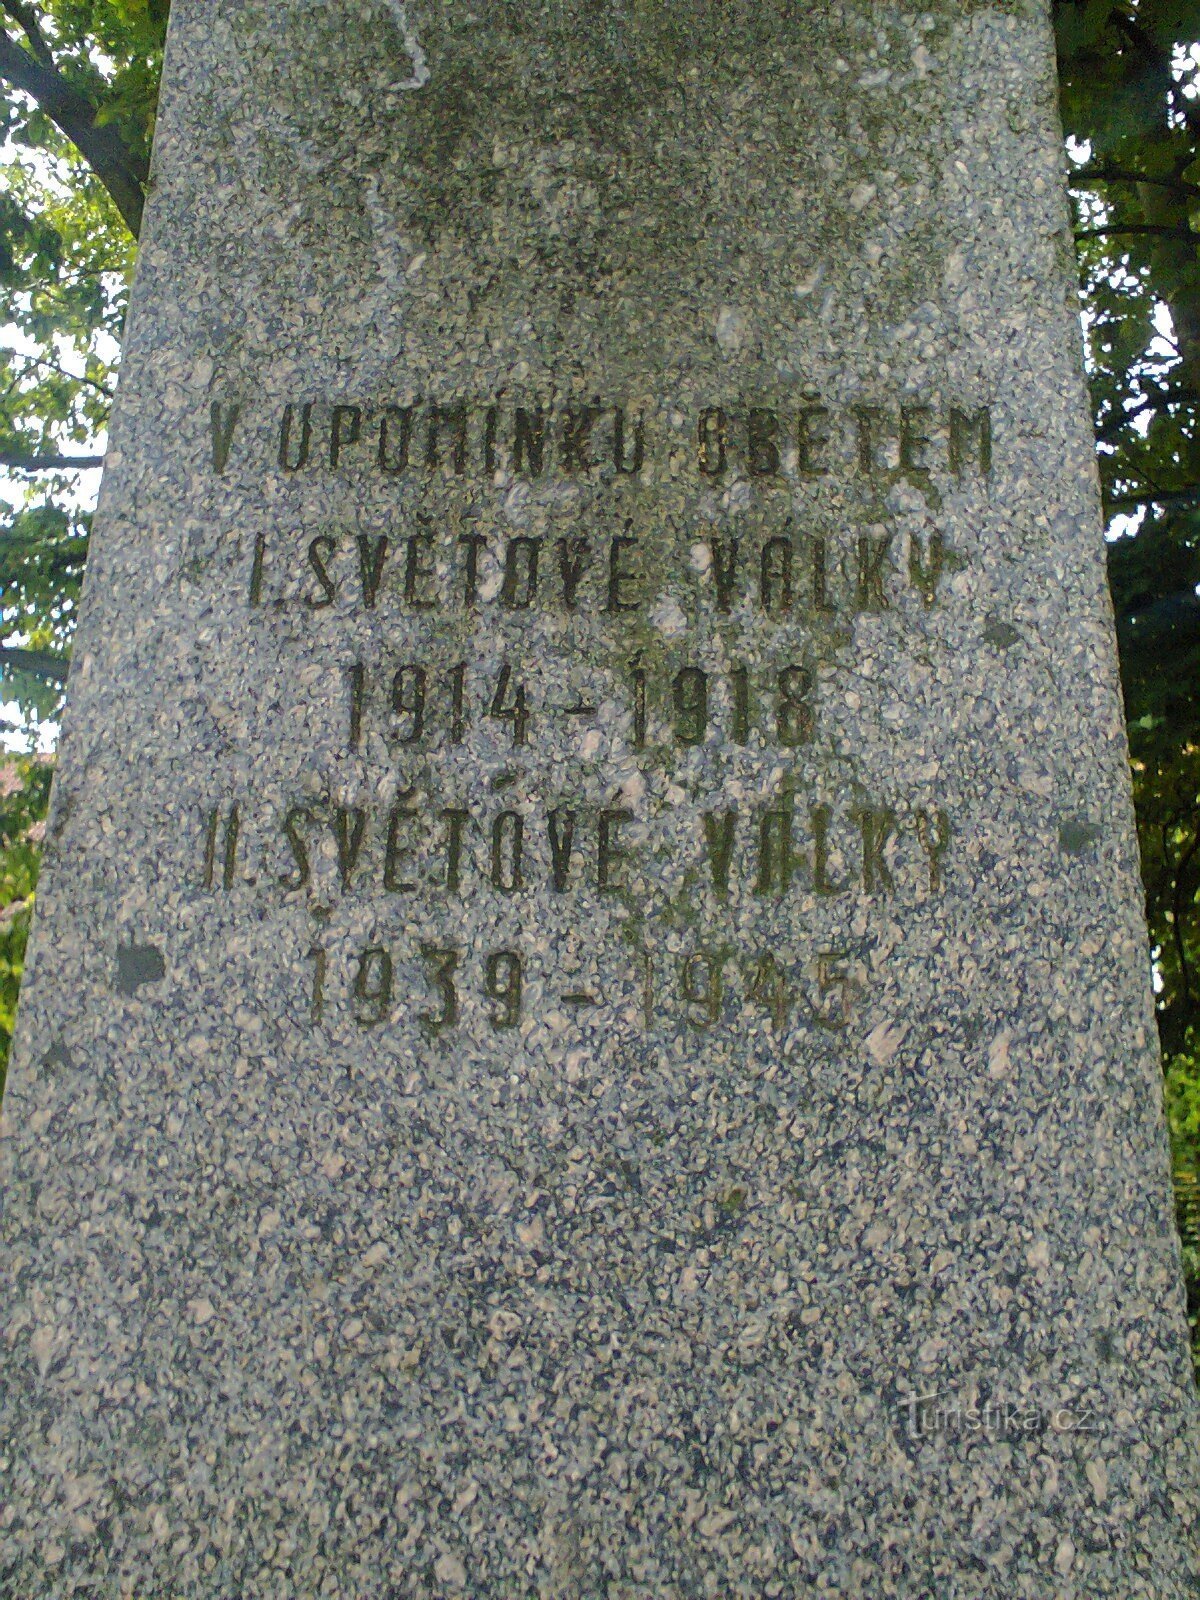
pixel 24 792
pixel 1131 107
pixel 78 84
pixel 79 80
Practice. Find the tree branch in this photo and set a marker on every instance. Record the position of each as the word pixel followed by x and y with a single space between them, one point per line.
pixel 50 366
pixel 1120 175
pixel 22 544
pixel 1139 227
pixel 39 662
pixel 17 462
pixel 1162 497
pixel 1163 400
pixel 1160 64
pixel 31 28
pixel 74 115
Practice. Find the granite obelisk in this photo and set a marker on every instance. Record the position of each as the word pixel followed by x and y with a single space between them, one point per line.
pixel 589 1030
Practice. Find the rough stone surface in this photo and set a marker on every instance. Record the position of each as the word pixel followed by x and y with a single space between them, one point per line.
pixel 672 1109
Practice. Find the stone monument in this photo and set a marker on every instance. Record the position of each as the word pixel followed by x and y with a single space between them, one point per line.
pixel 589 1031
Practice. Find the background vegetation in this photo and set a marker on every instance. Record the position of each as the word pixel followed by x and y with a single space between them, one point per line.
pixel 1131 107
pixel 78 82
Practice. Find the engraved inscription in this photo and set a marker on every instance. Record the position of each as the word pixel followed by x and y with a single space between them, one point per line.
pixel 431 846
pixel 705 639
pixel 459 437
pixel 445 989
pixel 780 577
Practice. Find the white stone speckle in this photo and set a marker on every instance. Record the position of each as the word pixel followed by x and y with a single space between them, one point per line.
pixel 420 66
pixel 42 1345
pixel 450 1571
pixel 1035 782
pixel 668 618
pixel 999 1060
pixel 885 1040
pixel 733 328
